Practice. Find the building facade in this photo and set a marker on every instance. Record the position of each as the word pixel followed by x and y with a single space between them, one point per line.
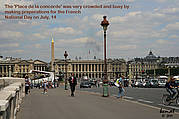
pixel 91 68
pixel 20 68
pixel 137 67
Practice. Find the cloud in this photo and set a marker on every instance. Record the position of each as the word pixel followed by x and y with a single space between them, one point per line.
pixel 65 30
pixel 174 37
pixel 13 51
pixel 162 1
pixel 172 27
pixel 38 46
pixel 127 47
pixel 11 35
pixel 38 36
pixel 164 42
pixel 9 45
pixel 170 10
pixel 82 40
pixel 97 17
pixel 132 30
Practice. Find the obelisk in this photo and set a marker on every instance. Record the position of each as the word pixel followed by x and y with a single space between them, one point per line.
pixel 52 55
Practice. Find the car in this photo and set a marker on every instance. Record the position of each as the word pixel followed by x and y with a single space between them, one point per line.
pixel 132 83
pixel 92 82
pixel 138 84
pixel 147 84
pixel 154 83
pixel 85 84
pixel 162 81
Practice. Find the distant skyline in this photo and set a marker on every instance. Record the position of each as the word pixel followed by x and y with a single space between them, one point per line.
pixel 146 25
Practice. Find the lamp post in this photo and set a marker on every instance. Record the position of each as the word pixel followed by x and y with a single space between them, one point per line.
pixel 65 55
pixel 105 24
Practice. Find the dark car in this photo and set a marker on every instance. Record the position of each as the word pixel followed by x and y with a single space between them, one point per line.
pixel 85 84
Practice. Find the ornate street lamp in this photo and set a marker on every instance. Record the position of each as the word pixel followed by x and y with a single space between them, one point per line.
pixel 105 24
pixel 66 55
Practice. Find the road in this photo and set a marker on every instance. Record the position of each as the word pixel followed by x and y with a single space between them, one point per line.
pixel 58 104
pixel 149 96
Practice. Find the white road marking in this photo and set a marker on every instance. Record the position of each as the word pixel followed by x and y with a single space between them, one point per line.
pixel 161 104
pixel 141 100
pixel 173 107
pixel 126 97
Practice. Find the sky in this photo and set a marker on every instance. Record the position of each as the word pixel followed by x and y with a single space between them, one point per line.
pixel 146 25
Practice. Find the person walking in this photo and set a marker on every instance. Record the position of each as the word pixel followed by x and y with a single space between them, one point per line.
pixel 27 85
pixel 121 88
pixel 45 87
pixel 73 83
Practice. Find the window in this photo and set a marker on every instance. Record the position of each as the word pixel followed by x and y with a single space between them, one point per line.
pixel 96 68
pixel 0 68
pixel 79 67
pixel 93 68
pixel 82 67
pixel 90 68
pixel 76 67
pixel 12 68
pixel 86 68
pixel 73 67
pixel 4 68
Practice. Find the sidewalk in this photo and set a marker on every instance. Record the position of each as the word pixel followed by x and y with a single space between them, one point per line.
pixel 58 104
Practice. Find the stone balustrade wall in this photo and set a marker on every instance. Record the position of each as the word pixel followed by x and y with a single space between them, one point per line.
pixel 11 97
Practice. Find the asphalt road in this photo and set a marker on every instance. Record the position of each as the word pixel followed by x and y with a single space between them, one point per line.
pixel 58 104
pixel 149 96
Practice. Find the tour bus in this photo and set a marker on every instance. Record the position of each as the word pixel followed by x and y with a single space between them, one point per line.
pixel 162 81
pixel 49 78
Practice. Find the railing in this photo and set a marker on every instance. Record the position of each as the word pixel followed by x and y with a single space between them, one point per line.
pixel 11 97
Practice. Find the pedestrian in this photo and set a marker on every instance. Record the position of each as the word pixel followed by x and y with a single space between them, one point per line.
pixel 30 85
pixel 121 88
pixel 73 83
pixel 27 85
pixel 45 87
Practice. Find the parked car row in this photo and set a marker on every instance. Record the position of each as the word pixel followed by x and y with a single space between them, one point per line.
pixel 149 83
pixel 159 82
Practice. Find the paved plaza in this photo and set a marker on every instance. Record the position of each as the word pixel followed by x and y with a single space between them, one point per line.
pixel 58 104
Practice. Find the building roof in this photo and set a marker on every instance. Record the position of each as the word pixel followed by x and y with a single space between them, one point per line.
pixel 151 56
